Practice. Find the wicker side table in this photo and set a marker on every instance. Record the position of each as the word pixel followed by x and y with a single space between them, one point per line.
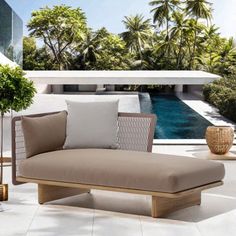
pixel 219 139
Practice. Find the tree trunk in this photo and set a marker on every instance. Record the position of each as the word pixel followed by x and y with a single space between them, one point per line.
pixel 1 149
pixel 180 50
pixel 167 33
pixel 61 67
pixel 194 46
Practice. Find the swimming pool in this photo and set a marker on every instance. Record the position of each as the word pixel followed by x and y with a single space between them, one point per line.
pixel 176 120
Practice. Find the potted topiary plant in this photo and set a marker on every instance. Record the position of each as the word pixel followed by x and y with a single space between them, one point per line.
pixel 16 93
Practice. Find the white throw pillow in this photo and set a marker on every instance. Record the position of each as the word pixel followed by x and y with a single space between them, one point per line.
pixel 92 124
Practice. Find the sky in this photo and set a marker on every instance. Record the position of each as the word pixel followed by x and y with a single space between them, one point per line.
pixel 110 13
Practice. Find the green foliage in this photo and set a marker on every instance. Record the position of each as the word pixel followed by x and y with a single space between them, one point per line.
pixel 180 39
pixel 59 27
pixel 112 54
pixel 162 10
pixel 199 9
pixel 16 92
pixel 35 58
pixel 229 109
pixel 222 94
pixel 138 35
pixel 103 51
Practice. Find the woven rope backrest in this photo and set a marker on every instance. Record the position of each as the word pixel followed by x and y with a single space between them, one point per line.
pixel 135 133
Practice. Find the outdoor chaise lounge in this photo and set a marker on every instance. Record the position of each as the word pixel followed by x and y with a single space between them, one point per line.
pixel 173 182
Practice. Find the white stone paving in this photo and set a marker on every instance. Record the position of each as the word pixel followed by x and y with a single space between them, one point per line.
pixel 206 110
pixel 105 213
pixel 54 102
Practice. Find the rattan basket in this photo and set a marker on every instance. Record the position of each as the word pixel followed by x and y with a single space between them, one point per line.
pixel 219 139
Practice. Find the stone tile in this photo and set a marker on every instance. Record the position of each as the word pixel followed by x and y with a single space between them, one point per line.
pixel 116 224
pixel 213 205
pixel 66 217
pixel 221 225
pixel 16 219
pixel 60 220
pixel 166 227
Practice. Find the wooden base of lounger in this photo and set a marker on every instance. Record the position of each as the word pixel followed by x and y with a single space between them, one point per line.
pixel 162 203
pixel 47 193
pixel 162 206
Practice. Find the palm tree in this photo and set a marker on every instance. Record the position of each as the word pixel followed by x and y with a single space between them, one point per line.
pixel 227 56
pixel 138 35
pixel 200 9
pixel 209 63
pixel 211 31
pixel 212 41
pixel 87 57
pixel 162 46
pixel 179 32
pixel 162 11
pixel 89 49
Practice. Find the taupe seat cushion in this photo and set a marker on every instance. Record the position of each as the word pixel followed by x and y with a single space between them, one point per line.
pixel 125 169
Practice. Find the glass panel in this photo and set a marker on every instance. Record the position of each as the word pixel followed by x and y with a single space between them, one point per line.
pixel 5 29
pixel 11 33
pixel 17 39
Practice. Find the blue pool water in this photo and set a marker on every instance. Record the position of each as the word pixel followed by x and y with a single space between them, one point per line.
pixel 176 120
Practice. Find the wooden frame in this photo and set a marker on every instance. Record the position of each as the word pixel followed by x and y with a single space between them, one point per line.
pixel 47 193
pixel 162 203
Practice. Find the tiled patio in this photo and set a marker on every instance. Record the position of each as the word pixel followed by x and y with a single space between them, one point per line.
pixel 107 213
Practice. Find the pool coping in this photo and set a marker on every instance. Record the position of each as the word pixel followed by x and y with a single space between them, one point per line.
pixel 179 141
pixel 204 109
pixel 182 142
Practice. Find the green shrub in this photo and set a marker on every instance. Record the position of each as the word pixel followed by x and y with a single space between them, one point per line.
pixel 216 94
pixel 222 94
pixel 228 107
pixel 228 82
pixel 16 91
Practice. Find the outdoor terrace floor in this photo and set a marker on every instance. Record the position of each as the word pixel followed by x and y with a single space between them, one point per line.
pixel 105 213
